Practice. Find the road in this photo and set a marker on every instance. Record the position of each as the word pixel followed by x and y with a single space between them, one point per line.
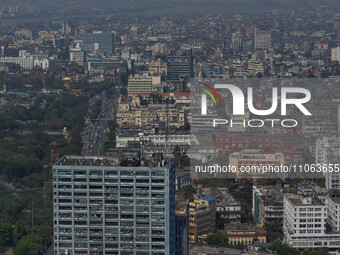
pixel 95 131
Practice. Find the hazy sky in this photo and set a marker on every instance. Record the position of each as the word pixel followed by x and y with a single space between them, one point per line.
pixel 50 8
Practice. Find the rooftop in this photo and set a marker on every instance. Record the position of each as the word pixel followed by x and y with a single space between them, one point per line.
pixel 86 161
pixel 208 198
pixel 299 200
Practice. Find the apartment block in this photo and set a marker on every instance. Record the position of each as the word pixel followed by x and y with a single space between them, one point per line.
pixel 267 204
pixel 202 219
pixel 158 67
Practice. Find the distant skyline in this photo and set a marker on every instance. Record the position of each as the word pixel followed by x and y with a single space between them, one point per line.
pixel 53 9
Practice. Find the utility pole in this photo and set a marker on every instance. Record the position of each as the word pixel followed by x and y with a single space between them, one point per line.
pixel 32 217
pixel 45 194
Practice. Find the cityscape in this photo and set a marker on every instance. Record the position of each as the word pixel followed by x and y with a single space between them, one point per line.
pixel 170 128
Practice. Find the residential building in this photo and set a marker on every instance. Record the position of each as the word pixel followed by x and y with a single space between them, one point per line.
pixel 327 152
pixel 267 204
pixel 333 210
pixel 227 207
pixel 158 67
pixel 202 219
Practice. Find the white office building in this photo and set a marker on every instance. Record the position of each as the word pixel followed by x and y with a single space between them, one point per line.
pixel 25 60
pixel 77 56
pixel 327 152
pixel 304 223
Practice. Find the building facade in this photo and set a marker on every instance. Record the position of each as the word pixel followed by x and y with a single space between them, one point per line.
pixel 158 67
pixel 202 219
pixel 327 151
pixel 179 67
pixel 267 204
pixel 263 39
pixel 336 54
pixel 304 223
pixel 98 40
pixel 101 208
pixel 139 84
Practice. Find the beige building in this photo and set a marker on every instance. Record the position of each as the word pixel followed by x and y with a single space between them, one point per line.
pixel 147 114
pixel 254 162
pixel 336 54
pixel 158 67
pixel 143 83
pixel 245 234
pixel 202 219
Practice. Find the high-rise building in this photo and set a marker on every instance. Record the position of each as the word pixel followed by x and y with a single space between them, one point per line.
pixel 327 152
pixel 263 39
pixel 182 242
pixel 102 208
pixel 179 67
pixel 336 54
pixel 98 40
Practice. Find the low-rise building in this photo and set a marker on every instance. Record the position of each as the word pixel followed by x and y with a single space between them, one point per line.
pixel 244 234
pixel 158 66
pixel 256 161
pixel 267 204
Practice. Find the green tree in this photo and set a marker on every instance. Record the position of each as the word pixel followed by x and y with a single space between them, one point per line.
pixel 189 192
pixel 217 239
pixel 6 234
pixel 181 157
pixel 321 251
pixel 283 249
pixel 14 168
pixel 29 245
pixel 274 230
